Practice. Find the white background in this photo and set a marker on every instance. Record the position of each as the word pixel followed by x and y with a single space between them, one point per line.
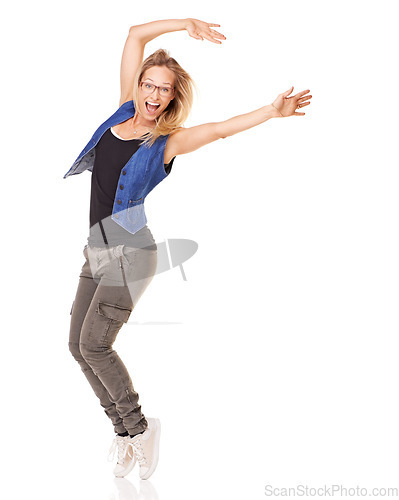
pixel 275 363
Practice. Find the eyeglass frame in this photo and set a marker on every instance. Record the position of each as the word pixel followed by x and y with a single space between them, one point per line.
pixel 156 87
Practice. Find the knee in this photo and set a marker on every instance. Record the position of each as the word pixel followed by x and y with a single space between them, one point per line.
pixel 85 351
pixel 92 353
pixel 74 349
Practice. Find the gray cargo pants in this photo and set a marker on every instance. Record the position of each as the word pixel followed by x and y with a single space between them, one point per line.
pixel 110 283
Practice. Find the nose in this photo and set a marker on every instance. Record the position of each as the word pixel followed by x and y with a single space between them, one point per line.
pixel 157 94
pixel 158 91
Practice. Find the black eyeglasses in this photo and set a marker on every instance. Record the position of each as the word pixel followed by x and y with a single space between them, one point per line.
pixel 148 88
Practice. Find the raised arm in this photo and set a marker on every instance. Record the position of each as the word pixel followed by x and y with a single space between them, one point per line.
pixel 141 34
pixel 186 140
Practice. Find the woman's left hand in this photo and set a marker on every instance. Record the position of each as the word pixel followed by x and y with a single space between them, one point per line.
pixel 287 106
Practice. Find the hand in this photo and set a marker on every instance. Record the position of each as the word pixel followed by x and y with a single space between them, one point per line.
pixel 287 105
pixel 200 30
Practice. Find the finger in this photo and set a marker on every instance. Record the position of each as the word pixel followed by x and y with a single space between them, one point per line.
pixel 298 114
pixel 215 25
pixel 302 104
pixel 304 98
pixel 214 31
pixel 217 34
pixel 301 93
pixel 194 35
pixel 210 38
pixel 288 92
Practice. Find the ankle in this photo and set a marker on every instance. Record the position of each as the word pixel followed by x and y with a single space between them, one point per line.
pixel 132 435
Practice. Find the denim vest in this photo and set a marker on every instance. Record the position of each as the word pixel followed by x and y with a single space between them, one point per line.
pixel 143 171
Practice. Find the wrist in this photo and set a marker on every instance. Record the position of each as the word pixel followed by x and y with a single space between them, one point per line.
pixel 186 22
pixel 275 112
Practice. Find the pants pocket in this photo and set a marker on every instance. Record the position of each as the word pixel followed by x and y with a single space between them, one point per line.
pixel 72 307
pixel 107 320
pixel 114 312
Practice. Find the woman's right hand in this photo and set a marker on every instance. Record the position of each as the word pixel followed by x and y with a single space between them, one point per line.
pixel 200 30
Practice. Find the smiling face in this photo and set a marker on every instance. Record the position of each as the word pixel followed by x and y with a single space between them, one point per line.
pixel 152 105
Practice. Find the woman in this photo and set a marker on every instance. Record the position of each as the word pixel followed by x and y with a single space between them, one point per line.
pixel 128 155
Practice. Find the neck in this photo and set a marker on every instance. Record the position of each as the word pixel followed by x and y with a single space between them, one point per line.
pixel 139 121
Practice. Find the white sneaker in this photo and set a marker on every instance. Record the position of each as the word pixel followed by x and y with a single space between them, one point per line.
pixel 146 447
pixel 126 459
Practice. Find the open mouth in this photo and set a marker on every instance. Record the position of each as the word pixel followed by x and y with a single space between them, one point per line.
pixel 152 107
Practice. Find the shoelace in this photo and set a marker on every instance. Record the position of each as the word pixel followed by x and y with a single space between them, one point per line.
pixel 120 444
pixel 138 451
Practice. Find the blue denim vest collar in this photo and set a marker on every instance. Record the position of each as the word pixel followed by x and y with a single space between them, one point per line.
pixel 143 171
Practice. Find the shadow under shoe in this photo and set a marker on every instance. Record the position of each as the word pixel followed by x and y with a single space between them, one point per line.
pixel 127 490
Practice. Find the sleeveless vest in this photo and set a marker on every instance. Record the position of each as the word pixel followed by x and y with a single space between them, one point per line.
pixel 142 172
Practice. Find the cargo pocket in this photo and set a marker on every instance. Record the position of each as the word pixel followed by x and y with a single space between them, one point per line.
pixel 107 321
pixel 135 209
pixel 114 312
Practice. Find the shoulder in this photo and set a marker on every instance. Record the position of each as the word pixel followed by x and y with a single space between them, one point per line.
pixel 126 103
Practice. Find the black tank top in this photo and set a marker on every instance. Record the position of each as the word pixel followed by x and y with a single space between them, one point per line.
pixel 112 153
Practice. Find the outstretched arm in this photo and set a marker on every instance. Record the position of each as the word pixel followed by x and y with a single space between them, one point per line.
pixel 141 34
pixel 186 140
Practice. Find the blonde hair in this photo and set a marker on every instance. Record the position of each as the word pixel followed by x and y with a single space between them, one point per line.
pixel 179 108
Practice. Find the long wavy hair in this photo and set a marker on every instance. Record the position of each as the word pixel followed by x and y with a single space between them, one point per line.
pixel 179 108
